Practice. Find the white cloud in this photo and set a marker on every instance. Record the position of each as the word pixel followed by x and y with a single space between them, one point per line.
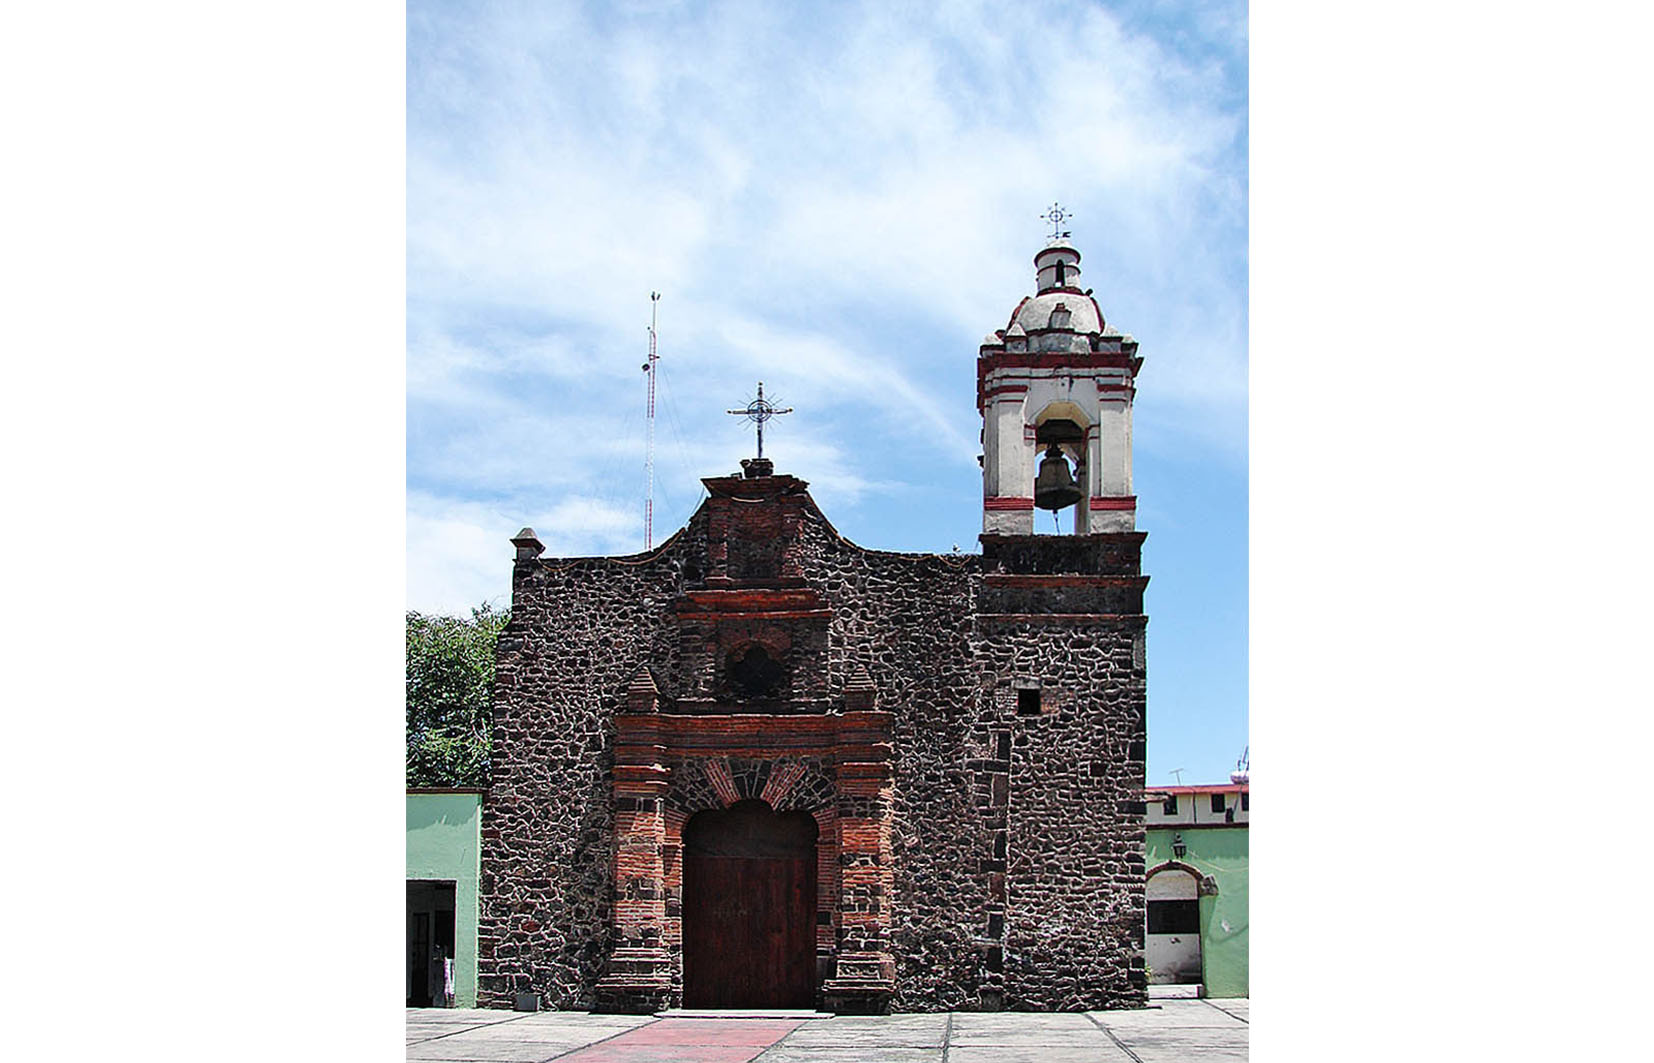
pixel 459 556
pixel 472 539
pixel 837 199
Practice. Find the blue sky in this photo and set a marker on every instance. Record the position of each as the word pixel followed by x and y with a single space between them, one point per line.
pixel 840 200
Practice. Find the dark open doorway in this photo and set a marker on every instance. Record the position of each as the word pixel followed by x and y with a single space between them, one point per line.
pixel 749 908
pixel 430 941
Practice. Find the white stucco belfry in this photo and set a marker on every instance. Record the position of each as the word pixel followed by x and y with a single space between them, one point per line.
pixel 1057 373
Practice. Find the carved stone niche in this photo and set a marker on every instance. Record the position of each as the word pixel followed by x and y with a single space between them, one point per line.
pixel 751 674
pixel 759 650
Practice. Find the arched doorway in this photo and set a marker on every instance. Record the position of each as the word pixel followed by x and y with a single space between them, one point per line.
pixel 1173 941
pixel 749 908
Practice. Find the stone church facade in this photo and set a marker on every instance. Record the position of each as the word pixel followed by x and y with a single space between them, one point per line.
pixel 763 766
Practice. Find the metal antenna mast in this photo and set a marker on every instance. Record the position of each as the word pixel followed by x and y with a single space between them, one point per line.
pixel 649 445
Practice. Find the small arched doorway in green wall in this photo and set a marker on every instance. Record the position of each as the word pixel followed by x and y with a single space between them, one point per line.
pixel 1172 943
pixel 749 908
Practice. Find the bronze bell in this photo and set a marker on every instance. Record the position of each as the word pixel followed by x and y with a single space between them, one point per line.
pixel 1054 486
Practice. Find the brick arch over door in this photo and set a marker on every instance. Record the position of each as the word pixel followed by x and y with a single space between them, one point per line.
pixel 789 784
pixel 1204 882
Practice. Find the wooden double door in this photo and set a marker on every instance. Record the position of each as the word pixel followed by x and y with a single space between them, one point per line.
pixel 749 908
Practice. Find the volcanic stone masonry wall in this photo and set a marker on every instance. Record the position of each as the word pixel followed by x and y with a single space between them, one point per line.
pixel 1016 682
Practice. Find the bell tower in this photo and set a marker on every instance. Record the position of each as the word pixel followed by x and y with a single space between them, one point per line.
pixel 1054 388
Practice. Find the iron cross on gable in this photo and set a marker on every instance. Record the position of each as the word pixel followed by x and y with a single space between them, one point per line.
pixel 758 411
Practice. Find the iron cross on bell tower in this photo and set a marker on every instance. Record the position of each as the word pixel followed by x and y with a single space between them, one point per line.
pixel 1056 216
pixel 758 411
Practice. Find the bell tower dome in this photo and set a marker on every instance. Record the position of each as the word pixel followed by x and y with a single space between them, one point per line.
pixel 1054 388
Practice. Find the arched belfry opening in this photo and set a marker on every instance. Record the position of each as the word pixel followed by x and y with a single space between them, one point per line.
pixel 749 908
pixel 1061 480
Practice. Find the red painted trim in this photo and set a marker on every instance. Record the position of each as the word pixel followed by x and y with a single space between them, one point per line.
pixel 1117 503
pixel 1007 503
pixel 994 361
pixel 1055 360
pixel 1200 788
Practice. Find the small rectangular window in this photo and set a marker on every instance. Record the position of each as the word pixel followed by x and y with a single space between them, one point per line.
pixel 1217 802
pixel 1169 805
pixel 1027 702
pixel 1174 917
pixel 1246 800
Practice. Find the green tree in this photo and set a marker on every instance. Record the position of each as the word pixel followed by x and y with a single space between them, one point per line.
pixel 451 695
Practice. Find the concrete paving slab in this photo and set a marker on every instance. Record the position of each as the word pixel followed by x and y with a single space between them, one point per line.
pixel 1032 1039
pixel 1011 1029
pixel 972 1023
pixel 1018 1018
pixel 582 1018
pixel 1238 1008
pixel 865 1040
pixel 442 1029
pixel 884 1031
pixel 432 1029
pixel 1105 1052
pixel 461 1016
pixel 473 1048
pixel 1166 1018
pixel 433 1035
pixel 937 1019
pixel 1185 1050
pixel 454 1048
pixel 1187 1038
pixel 1190 1055
pixel 788 1053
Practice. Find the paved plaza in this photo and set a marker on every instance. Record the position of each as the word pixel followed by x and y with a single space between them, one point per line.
pixel 1169 1031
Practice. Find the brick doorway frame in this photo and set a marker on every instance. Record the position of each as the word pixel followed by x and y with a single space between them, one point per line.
pixel 837 766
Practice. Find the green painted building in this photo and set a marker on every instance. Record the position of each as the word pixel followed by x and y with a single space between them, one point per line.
pixel 1196 860
pixel 443 858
